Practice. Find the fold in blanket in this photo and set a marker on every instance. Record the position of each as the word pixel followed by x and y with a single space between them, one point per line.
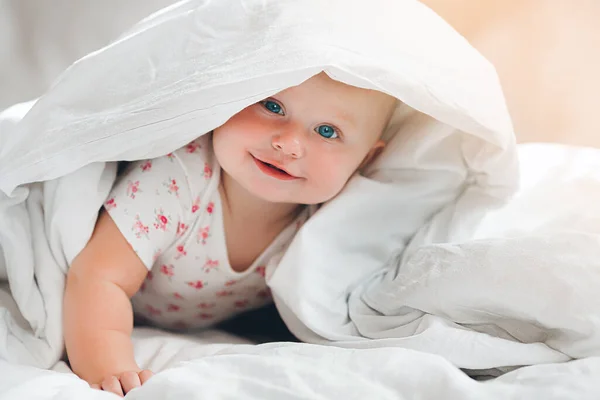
pixel 184 71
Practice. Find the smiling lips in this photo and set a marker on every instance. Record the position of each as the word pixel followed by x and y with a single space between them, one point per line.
pixel 273 171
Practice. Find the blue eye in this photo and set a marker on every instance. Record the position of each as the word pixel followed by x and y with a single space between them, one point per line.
pixel 327 131
pixel 273 107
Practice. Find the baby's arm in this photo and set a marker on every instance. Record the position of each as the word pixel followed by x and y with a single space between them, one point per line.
pixel 98 317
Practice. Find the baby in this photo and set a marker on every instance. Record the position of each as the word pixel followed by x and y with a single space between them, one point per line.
pixel 187 236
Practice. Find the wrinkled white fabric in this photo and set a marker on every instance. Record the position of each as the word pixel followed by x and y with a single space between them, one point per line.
pixel 186 70
pixel 522 291
pixel 218 366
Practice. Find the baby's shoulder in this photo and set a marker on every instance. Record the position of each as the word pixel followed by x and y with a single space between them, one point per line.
pixel 194 155
pixel 188 172
pixel 197 163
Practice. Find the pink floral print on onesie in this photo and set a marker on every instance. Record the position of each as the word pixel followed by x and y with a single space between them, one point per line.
pixel 166 208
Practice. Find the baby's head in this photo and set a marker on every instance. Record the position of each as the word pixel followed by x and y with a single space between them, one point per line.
pixel 303 144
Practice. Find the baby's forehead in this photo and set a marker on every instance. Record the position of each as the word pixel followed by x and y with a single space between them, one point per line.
pixel 368 103
pixel 343 101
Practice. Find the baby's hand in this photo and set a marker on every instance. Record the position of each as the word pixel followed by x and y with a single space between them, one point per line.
pixel 123 383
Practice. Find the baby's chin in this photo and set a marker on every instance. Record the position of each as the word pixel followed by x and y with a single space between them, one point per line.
pixel 301 191
pixel 300 197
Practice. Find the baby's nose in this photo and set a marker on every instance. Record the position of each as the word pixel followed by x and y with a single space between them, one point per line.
pixel 289 143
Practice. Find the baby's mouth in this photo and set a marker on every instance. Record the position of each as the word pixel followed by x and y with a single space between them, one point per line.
pixel 273 171
pixel 274 167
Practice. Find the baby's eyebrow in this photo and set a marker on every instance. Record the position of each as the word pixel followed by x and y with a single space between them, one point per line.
pixel 344 116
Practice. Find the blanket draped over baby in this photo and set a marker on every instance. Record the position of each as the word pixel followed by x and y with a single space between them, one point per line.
pixel 365 270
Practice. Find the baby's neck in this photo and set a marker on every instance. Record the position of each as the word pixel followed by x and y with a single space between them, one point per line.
pixel 242 205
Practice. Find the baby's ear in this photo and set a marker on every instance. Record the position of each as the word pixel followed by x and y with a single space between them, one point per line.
pixel 375 151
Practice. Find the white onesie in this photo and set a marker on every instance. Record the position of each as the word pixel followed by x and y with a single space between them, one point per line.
pixel 169 210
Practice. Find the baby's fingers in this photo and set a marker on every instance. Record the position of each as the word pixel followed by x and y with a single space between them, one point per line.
pixel 112 384
pixel 130 380
pixel 145 375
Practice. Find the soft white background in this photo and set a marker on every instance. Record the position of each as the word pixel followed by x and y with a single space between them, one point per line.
pixel 39 39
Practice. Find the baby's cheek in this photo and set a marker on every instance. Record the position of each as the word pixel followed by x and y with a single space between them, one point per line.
pixel 334 180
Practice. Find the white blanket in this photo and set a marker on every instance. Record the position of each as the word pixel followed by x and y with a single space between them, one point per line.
pixel 361 274
pixel 217 366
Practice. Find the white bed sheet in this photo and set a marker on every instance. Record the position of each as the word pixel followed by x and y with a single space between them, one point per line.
pixel 219 366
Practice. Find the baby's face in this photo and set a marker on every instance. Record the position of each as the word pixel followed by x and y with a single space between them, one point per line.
pixel 303 144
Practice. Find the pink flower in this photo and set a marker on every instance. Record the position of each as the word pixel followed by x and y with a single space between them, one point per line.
pixel 133 188
pixel 181 229
pixel 203 234
pixel 139 228
pixel 210 265
pixel 173 308
pixel 146 166
pixel 210 208
pixel 161 222
pixel 180 252
pixel 153 311
pixel 172 187
pixel 207 171
pixel 241 303
pixel 110 203
pixel 261 270
pixel 167 270
pixel 196 284
pixel 196 205
pixel 192 147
